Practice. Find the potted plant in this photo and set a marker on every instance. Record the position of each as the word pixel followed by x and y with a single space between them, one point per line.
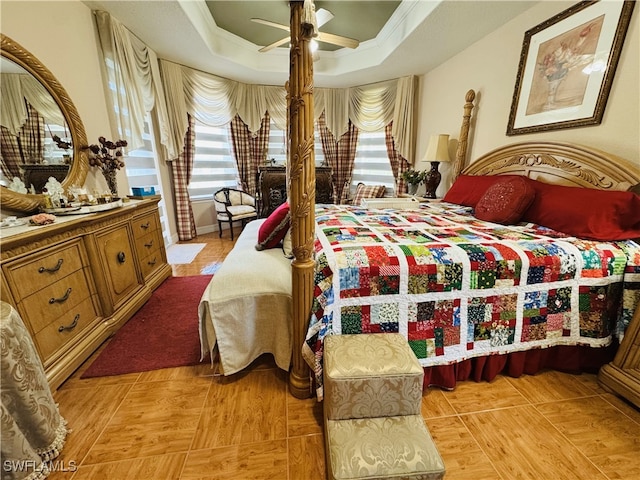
pixel 413 178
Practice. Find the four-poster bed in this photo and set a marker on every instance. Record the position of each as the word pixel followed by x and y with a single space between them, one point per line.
pixel 476 298
pixel 572 338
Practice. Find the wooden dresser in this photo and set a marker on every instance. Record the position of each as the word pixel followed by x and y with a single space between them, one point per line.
pixel 272 187
pixel 78 280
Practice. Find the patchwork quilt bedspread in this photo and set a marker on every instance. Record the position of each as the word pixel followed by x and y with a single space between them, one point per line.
pixel 457 287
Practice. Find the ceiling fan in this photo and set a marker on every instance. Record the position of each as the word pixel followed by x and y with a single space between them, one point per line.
pixel 322 17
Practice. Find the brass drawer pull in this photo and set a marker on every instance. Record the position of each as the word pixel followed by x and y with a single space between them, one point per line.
pixel 52 269
pixel 121 257
pixel 61 299
pixel 149 245
pixel 144 226
pixel 152 262
pixel 73 325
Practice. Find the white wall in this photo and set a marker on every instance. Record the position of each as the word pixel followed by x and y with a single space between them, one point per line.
pixel 490 66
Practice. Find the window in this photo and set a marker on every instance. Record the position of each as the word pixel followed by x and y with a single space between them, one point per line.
pixel 371 165
pixel 213 166
pixel 141 165
pixel 143 170
pixel 277 149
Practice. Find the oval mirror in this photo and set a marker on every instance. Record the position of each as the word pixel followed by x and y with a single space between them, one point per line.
pixel 42 133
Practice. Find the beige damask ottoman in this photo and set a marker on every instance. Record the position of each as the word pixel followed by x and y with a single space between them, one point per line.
pixel 382 448
pixel 370 375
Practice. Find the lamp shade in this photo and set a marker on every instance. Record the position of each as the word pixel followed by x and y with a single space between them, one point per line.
pixel 438 149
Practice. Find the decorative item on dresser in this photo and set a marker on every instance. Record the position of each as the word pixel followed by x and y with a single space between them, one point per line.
pixel 76 281
pixel 108 157
pixel 437 151
pixel 272 187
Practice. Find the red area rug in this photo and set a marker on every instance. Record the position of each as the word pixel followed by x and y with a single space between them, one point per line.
pixel 162 334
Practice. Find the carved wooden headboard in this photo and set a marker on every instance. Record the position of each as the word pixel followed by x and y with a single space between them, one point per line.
pixel 559 163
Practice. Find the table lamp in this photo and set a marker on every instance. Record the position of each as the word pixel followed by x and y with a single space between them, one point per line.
pixel 437 151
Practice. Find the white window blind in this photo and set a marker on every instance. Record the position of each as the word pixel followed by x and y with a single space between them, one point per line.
pixel 371 165
pixel 214 166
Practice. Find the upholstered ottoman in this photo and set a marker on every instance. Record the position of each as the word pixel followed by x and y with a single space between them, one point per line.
pixel 381 448
pixel 370 375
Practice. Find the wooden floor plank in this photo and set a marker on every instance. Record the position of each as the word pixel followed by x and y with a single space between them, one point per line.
pixel 521 443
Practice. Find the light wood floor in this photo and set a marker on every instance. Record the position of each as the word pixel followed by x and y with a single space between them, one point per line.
pixel 191 423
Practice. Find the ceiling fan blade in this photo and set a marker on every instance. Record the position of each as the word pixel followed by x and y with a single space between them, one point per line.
pixel 323 16
pixel 338 40
pixel 271 24
pixel 275 44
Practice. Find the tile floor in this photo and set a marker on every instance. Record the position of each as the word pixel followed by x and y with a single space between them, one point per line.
pixel 191 423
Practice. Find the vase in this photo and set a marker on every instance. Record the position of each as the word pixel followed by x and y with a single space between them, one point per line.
pixel 412 188
pixel 112 181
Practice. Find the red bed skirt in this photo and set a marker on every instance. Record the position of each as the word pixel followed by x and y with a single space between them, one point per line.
pixel 570 359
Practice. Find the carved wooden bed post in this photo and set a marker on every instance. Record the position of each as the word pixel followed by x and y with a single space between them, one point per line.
pixel 461 151
pixel 301 166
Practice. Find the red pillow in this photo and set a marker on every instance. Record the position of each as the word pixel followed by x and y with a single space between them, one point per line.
pixel 585 212
pixel 274 228
pixel 505 201
pixel 467 190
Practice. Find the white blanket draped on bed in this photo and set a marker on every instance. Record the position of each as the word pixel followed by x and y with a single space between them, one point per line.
pixel 244 314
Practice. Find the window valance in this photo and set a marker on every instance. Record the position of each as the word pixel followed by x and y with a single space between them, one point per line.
pixel 18 87
pixel 177 90
pixel 132 70
pixel 215 101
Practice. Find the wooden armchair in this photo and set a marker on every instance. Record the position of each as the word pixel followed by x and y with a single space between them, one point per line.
pixel 234 206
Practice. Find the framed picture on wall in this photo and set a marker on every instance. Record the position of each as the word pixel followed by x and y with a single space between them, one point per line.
pixel 567 67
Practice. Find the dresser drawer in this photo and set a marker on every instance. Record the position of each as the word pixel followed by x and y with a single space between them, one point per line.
pixel 43 269
pixel 52 302
pixel 150 263
pixel 60 332
pixel 147 244
pixel 144 224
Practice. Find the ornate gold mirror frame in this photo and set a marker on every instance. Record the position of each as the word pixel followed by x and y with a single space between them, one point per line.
pixel 10 200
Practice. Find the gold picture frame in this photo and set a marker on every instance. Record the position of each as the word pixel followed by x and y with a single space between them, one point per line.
pixel 567 67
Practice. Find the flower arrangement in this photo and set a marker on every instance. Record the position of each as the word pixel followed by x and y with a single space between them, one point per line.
pixel 108 157
pixel 413 177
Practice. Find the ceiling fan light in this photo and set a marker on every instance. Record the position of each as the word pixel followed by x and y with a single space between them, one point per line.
pixel 313 45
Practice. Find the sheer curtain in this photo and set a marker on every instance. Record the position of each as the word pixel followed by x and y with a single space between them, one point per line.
pixel 136 76
pixel 18 91
pixel 370 108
